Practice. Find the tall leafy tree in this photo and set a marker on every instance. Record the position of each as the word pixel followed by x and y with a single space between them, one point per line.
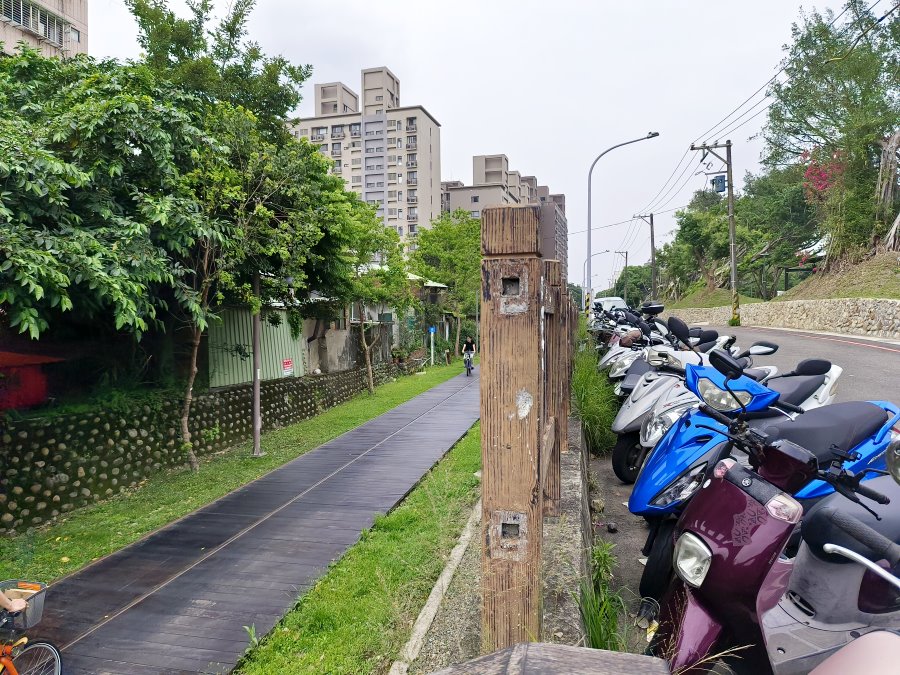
pixel 379 278
pixel 93 200
pixel 837 111
pixel 450 253
pixel 217 62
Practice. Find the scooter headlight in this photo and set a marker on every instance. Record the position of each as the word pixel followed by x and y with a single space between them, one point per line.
pixel 623 364
pixel 720 399
pixel 682 487
pixel 692 559
pixel 655 427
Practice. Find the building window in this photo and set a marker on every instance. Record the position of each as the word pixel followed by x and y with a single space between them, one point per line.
pixel 475 214
pixel 356 161
pixel 474 199
pixel 400 230
pixel 379 98
pixel 355 144
pixel 355 129
pixel 76 35
pixel 335 148
pixel 357 180
pixel 36 19
pixel 378 111
pixel 303 132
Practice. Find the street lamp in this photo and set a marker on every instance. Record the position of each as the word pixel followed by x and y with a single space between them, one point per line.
pixel 587 282
pixel 652 134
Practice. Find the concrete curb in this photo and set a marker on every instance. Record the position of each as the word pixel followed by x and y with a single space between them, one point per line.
pixel 423 622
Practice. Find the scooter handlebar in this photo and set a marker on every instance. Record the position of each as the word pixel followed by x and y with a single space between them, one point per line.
pixel 790 407
pixel 869 493
pixel 715 414
pixel 881 545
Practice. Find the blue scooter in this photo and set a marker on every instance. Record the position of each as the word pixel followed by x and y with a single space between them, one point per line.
pixel 857 432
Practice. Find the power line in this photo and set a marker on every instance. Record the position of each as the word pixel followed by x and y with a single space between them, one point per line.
pixel 623 222
pixel 724 120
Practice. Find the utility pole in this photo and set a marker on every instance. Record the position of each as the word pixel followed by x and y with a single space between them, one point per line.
pixel 649 220
pixel 625 274
pixel 711 150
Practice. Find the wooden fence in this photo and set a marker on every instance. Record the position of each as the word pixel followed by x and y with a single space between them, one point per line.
pixel 526 354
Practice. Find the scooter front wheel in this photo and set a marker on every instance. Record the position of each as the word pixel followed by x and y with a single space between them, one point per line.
pixel 658 570
pixel 628 457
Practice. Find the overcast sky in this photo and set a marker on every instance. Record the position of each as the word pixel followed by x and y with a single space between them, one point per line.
pixel 549 84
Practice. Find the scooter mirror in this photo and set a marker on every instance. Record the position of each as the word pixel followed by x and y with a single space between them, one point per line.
pixel 679 329
pixel 812 367
pixel 893 459
pixel 726 364
pixel 764 348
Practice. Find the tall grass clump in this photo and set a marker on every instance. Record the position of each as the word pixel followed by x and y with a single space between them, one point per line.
pixel 593 399
pixel 600 606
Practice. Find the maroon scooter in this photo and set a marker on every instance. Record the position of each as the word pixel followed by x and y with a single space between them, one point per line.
pixel 732 579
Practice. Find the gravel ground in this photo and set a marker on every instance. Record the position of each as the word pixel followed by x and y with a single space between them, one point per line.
pixel 455 634
pixel 629 540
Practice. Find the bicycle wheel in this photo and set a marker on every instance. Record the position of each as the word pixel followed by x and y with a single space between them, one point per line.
pixel 38 658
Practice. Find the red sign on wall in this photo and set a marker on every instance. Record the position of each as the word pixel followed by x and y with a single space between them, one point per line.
pixel 287 367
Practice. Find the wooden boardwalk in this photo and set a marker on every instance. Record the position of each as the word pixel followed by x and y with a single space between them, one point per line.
pixel 177 601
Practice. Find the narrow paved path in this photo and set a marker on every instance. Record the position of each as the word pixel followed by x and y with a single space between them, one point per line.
pixel 177 601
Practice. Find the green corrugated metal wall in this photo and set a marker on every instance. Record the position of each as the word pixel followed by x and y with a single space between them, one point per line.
pixel 226 364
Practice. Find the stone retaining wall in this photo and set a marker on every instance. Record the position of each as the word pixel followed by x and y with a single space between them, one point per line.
pixel 874 317
pixel 51 465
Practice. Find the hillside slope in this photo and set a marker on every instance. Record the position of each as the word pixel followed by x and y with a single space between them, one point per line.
pixel 718 297
pixel 877 277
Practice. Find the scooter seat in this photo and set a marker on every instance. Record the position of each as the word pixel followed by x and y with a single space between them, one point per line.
pixel 842 426
pixel 796 388
pixel 817 528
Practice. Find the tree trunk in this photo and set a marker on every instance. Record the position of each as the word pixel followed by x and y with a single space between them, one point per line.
pixel 188 399
pixel 887 175
pixel 366 347
pixel 257 403
pixel 458 327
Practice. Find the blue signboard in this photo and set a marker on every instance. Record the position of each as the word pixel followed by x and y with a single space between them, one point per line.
pixel 431 329
pixel 718 183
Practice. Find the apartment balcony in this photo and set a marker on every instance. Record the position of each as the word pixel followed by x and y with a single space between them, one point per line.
pixel 336 153
pixel 411 146
pixel 317 137
pixel 375 132
pixel 412 234
pixel 412 165
pixel 337 135
pixel 412 199
pixel 411 127
pixel 412 181
pixel 375 167
pixel 355 133
pixel 412 216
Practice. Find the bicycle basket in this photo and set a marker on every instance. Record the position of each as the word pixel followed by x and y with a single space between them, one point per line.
pixel 31 591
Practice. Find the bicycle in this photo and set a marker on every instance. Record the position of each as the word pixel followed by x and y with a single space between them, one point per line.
pixel 467 360
pixel 18 655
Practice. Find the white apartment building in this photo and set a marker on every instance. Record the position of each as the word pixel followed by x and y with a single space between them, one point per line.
pixel 55 27
pixel 387 153
pixel 495 184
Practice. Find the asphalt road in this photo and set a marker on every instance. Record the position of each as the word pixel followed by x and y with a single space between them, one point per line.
pixel 871 368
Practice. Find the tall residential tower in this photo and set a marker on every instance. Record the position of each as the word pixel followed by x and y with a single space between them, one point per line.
pixel 55 27
pixel 387 153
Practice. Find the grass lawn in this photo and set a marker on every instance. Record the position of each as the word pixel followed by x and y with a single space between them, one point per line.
pixel 718 297
pixel 97 530
pixel 360 614
pixel 877 277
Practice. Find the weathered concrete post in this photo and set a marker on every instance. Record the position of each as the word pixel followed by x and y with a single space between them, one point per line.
pixel 512 404
pixel 555 315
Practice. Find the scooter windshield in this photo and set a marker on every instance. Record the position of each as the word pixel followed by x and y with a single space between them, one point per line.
pixel 708 384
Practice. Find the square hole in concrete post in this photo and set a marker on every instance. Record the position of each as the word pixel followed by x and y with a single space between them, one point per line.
pixel 509 530
pixel 511 286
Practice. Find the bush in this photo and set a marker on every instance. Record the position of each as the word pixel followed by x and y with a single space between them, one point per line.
pixel 599 605
pixel 593 400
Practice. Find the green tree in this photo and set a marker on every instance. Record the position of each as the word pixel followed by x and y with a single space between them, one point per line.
pixel 379 277
pixel 780 223
pixel 837 111
pixel 636 278
pixel 93 199
pixel 450 253
pixel 219 63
